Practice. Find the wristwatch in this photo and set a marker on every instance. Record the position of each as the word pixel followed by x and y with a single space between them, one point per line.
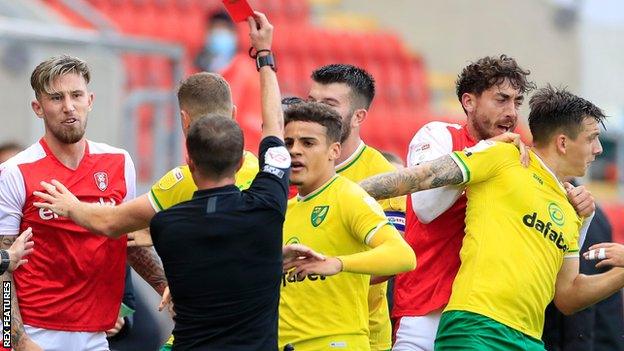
pixel 267 60
pixel 5 261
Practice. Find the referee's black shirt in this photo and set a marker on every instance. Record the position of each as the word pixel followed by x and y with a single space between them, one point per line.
pixel 222 254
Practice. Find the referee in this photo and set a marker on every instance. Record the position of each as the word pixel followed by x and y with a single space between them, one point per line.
pixel 222 250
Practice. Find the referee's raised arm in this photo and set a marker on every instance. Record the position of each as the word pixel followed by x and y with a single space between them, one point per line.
pixel 261 33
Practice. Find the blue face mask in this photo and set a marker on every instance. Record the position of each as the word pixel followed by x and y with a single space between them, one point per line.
pixel 221 44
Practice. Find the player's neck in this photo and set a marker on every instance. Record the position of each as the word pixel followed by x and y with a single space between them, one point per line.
pixel 307 189
pixel 207 183
pixel 69 155
pixel 472 132
pixel 552 161
pixel 348 147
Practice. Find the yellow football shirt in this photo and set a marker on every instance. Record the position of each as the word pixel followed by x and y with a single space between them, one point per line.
pixel 327 313
pixel 519 228
pixel 178 186
pixel 364 163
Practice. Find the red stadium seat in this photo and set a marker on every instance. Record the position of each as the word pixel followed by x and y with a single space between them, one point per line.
pixel 402 102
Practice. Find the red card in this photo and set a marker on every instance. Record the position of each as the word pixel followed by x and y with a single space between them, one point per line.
pixel 239 10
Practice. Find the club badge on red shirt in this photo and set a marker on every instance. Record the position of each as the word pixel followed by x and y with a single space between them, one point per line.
pixel 101 180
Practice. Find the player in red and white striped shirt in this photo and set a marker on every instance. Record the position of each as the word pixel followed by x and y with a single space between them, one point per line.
pixel 70 291
pixel 490 91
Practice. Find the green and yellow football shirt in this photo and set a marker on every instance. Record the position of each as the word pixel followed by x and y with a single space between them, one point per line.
pixel 325 313
pixel 365 163
pixel 178 186
pixel 519 228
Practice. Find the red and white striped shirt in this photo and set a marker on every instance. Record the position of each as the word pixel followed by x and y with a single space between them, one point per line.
pixel 74 279
pixel 434 227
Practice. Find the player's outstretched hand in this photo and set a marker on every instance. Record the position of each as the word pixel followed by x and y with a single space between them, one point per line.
pixel 22 246
pixel 610 254
pixel 260 31
pixel 581 199
pixel 140 238
pixel 58 198
pixel 307 266
pixel 296 252
pixel 514 138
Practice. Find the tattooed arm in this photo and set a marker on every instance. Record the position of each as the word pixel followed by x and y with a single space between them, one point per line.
pixel 19 339
pixel 427 175
pixel 147 264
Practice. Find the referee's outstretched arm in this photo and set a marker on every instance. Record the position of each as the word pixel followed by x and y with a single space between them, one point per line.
pixel 261 33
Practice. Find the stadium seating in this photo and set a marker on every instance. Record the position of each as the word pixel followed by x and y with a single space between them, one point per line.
pixel 402 102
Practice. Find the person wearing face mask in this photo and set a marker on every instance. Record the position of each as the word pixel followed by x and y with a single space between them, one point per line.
pixel 223 54
pixel 221 44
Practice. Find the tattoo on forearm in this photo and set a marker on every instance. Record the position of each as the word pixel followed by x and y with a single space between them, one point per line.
pixel 147 264
pixel 17 326
pixel 445 172
pixel 432 174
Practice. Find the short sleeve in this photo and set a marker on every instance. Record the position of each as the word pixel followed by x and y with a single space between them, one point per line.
pixel 365 215
pixel 576 242
pixel 432 141
pixel 12 199
pixel 271 182
pixel 484 160
pixel 130 177
pixel 174 187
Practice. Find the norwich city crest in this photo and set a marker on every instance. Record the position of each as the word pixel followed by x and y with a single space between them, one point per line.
pixel 318 215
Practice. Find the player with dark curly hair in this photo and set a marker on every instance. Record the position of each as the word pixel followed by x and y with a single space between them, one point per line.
pixel 490 91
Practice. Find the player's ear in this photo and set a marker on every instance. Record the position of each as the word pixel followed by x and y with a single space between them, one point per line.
pixel 190 163
pixel 358 117
pixel 240 162
pixel 36 107
pixel 234 112
pixel 468 102
pixel 334 151
pixel 560 143
pixel 91 98
pixel 185 118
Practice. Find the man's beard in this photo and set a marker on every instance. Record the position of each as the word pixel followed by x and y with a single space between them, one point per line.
pixel 68 135
pixel 346 127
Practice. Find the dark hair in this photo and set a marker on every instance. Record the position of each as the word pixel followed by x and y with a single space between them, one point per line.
pixel 205 93
pixel 220 16
pixel 490 71
pixel 555 110
pixel 361 82
pixel 291 100
pixel 316 112
pixel 215 145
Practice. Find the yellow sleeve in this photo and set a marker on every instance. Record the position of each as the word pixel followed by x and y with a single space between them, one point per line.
pixel 247 173
pixel 364 216
pixel 173 188
pixel 390 254
pixel 484 160
pixel 574 244
pixel 394 209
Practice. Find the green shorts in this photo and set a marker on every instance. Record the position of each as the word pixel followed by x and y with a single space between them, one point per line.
pixel 461 330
